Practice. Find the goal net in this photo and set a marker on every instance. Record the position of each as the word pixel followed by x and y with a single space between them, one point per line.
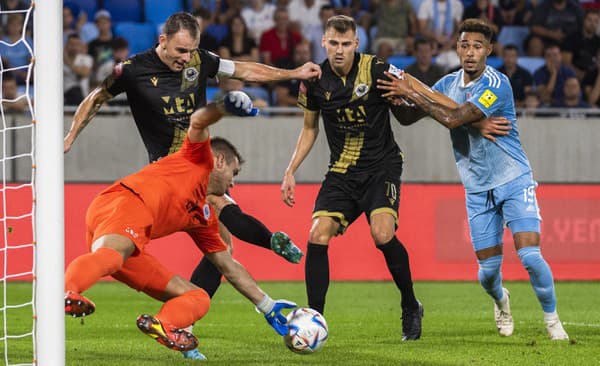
pixel 31 206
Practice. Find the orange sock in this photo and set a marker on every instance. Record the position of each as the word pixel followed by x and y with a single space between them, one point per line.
pixel 182 311
pixel 89 268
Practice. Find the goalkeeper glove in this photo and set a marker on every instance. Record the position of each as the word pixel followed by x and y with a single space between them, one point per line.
pixel 238 103
pixel 272 311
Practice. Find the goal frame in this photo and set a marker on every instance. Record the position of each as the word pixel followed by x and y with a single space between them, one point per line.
pixel 49 348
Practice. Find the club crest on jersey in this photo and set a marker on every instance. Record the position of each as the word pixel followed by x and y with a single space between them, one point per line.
pixel 190 74
pixel 206 211
pixel 487 98
pixel 361 89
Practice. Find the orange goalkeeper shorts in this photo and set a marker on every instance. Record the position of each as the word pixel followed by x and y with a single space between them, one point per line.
pixel 120 211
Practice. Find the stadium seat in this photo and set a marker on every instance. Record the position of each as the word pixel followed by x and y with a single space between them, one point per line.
pixel 157 11
pixel 124 10
pixel 531 64
pixel 140 36
pixel 89 6
pixel 401 62
pixel 219 31
pixel 514 35
pixel 495 62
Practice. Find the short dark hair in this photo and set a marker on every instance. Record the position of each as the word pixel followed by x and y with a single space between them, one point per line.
pixel 73 36
pixel 341 24
pixel 179 21
pixel 550 45
pixel 325 8
pixel 511 47
pixel 476 25
pixel 119 43
pixel 423 41
pixel 223 146
pixel 202 13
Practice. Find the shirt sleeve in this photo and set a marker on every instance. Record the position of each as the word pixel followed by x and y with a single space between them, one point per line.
pixel 207 238
pixel 305 99
pixel 440 85
pixel 210 61
pixel 488 98
pixel 377 72
pixel 197 152
pixel 121 73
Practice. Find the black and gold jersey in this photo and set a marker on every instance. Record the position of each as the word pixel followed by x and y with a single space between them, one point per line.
pixel 161 100
pixel 356 117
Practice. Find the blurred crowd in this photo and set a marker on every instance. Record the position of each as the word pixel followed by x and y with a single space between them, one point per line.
pixel 550 49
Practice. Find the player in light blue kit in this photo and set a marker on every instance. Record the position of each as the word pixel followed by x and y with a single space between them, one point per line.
pixel 495 172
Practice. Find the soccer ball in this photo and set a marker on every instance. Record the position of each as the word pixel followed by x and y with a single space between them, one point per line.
pixel 308 331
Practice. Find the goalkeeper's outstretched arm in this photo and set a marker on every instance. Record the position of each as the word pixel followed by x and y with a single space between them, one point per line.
pixel 235 103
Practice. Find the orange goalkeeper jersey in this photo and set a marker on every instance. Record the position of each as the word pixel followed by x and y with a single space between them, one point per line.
pixel 174 191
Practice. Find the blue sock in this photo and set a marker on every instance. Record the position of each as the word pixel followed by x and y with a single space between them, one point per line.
pixel 540 276
pixel 490 276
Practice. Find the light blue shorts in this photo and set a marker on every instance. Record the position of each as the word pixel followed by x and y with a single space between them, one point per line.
pixel 513 203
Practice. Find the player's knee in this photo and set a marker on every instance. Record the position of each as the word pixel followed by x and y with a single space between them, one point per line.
pixel 382 235
pixel 322 230
pixel 177 286
pixel 489 270
pixel 319 237
pixel 530 256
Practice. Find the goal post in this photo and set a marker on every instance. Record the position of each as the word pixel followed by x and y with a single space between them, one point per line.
pixel 49 183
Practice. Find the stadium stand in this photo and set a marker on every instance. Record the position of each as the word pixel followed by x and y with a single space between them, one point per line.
pixel 514 35
pixel 157 11
pixel 140 36
pixel 124 10
pixel 89 6
pixel 401 62
pixel 531 63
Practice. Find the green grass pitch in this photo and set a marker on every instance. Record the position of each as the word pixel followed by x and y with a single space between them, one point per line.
pixel 364 328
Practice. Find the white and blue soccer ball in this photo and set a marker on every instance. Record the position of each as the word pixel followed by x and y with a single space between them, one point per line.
pixel 308 331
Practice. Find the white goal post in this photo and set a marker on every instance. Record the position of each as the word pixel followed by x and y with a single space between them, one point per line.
pixel 49 183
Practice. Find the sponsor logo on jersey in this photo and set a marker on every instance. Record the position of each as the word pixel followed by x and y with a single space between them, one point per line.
pixel 327 95
pixel 487 98
pixel 131 232
pixel 206 210
pixel 190 74
pixel 361 89
pixel 154 80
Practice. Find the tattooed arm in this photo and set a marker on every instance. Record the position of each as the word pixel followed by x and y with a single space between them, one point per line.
pixel 87 110
pixel 437 105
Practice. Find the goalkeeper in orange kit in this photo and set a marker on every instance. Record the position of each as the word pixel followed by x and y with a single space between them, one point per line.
pixel 165 197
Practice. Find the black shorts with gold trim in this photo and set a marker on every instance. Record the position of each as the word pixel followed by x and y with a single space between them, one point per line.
pixel 344 197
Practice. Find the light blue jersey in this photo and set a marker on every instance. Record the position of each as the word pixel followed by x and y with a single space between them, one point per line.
pixel 482 164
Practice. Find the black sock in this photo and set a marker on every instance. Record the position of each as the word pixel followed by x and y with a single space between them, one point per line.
pixel 317 275
pixel 207 276
pixel 245 227
pixel 396 258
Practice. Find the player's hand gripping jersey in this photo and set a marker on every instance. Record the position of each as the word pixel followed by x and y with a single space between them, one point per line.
pixel 483 164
